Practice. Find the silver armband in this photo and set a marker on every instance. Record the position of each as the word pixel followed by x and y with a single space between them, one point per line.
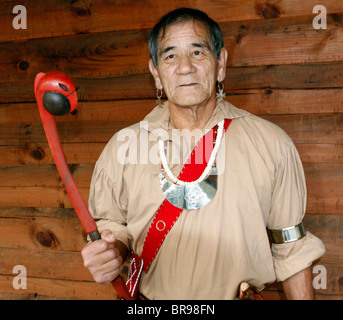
pixel 287 235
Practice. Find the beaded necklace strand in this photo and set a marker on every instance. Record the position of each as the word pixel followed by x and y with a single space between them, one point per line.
pixel 208 168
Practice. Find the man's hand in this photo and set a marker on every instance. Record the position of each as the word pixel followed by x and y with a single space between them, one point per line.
pixel 299 286
pixel 104 258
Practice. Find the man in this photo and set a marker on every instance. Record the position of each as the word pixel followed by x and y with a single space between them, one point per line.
pixel 211 249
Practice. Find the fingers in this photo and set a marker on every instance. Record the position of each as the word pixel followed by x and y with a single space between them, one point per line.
pixel 108 236
pixel 106 272
pixel 102 259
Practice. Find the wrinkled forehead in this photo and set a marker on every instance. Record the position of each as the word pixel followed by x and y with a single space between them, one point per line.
pixel 191 31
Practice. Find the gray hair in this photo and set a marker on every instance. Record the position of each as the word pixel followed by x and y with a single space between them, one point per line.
pixel 183 15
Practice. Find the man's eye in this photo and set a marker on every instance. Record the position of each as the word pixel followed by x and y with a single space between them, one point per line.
pixel 171 56
pixel 197 53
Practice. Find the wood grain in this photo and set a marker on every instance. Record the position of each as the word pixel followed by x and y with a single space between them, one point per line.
pixel 45 288
pixel 88 153
pixel 42 186
pixel 256 101
pixel 61 18
pixel 114 54
pixel 58 262
pixel 40 153
pixel 299 76
pixel 302 128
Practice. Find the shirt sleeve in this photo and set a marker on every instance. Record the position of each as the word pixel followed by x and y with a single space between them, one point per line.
pixel 288 207
pixel 104 204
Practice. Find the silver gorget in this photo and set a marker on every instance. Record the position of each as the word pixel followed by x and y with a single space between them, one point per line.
pixel 192 196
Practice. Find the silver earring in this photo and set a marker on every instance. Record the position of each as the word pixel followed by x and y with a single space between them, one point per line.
pixel 220 95
pixel 159 96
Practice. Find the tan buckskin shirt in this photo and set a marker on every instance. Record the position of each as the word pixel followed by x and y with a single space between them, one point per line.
pixel 209 251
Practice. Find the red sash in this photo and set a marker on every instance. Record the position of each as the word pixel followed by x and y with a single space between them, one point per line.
pixel 167 214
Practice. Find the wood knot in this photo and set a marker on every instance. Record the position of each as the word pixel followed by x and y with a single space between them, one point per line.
pixel 81 12
pixel 268 91
pixel 81 8
pixel 267 10
pixel 23 65
pixel 47 239
pixel 38 153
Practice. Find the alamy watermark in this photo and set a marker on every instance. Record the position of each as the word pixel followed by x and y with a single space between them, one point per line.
pixel 141 146
pixel 20 280
pixel 320 280
pixel 20 20
pixel 319 21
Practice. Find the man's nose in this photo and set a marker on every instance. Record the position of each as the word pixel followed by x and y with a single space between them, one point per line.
pixel 185 65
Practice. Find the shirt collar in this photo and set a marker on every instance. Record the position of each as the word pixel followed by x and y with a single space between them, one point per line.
pixel 225 110
pixel 159 117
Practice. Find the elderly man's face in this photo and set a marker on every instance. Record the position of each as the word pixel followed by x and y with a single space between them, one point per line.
pixel 187 68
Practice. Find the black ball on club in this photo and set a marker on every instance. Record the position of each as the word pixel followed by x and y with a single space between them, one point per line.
pixel 56 103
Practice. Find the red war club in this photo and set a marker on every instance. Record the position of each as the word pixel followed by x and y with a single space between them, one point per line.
pixel 56 95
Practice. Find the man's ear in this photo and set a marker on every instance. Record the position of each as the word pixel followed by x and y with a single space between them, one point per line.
pixel 156 75
pixel 222 59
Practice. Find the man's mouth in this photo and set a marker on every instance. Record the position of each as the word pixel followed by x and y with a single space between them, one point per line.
pixel 188 85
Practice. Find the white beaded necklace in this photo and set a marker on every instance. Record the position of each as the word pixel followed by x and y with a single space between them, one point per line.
pixel 208 168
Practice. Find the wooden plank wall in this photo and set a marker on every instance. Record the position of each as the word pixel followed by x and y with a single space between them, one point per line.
pixel 280 68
